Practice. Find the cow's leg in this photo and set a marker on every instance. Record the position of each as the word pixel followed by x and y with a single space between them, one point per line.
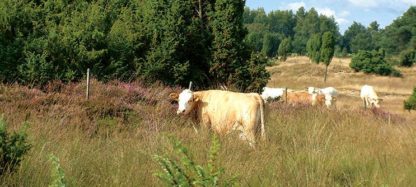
pixel 205 121
pixel 365 103
pixel 250 131
pixel 251 138
pixel 368 103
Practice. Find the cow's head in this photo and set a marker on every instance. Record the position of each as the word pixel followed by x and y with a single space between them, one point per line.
pixel 312 90
pixel 186 100
pixel 375 102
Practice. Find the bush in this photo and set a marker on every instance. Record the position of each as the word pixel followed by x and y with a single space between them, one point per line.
pixel 408 58
pixel 184 171
pixel 12 148
pixel 410 103
pixel 252 77
pixel 372 62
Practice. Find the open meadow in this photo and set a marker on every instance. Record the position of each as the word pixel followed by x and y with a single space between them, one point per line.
pixel 111 139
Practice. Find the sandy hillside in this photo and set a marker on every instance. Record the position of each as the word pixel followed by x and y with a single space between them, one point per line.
pixel 298 73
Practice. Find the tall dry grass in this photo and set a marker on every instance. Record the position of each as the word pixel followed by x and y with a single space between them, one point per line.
pixel 110 140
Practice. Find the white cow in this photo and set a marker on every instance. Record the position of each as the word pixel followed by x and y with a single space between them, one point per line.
pixel 369 96
pixel 224 111
pixel 272 93
pixel 329 92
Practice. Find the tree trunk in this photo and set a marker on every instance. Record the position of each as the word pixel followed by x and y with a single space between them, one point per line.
pixel 326 72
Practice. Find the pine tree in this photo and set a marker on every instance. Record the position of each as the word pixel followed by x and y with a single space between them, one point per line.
pixel 270 44
pixel 306 26
pixel 327 50
pixel 314 48
pixel 168 23
pixel 228 32
pixel 284 49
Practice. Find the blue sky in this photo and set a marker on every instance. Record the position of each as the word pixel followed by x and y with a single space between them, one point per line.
pixel 344 11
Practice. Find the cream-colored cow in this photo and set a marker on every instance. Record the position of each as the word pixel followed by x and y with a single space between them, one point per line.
pixel 224 111
pixel 369 97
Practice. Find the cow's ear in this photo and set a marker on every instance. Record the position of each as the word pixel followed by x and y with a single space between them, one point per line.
pixel 196 98
pixel 174 96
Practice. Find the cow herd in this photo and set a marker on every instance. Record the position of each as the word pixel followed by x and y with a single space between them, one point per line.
pixel 225 111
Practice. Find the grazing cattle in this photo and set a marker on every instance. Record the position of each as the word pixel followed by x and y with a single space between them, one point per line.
pixel 224 111
pixel 272 93
pixel 329 92
pixel 305 98
pixel 369 96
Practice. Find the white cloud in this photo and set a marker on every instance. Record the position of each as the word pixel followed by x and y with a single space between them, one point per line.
pixel 326 11
pixel 340 19
pixel 295 5
pixel 366 3
pixel 344 13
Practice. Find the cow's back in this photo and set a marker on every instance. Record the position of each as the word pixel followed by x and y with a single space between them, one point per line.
pixel 224 109
pixel 368 91
pixel 305 98
pixel 298 97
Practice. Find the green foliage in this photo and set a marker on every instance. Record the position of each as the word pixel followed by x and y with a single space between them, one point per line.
pixel 12 148
pixel 57 173
pixel 357 37
pixel 285 24
pixel 372 62
pixel 284 49
pixel 253 77
pixel 314 48
pixel 157 40
pixel 181 169
pixel 270 44
pixel 327 48
pixel 340 52
pixel 408 58
pixel 166 60
pixel 228 34
pixel 399 35
pixel 37 70
pixel 230 59
pixel 254 40
pixel 410 103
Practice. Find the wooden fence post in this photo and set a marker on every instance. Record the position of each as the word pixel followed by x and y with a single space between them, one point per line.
pixel 87 94
pixel 286 95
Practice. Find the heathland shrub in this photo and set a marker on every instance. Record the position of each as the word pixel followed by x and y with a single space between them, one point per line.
pixel 181 170
pixel 410 103
pixel 12 148
pixel 372 62
pixel 252 78
pixel 408 58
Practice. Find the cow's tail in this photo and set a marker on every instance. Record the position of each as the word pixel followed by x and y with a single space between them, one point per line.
pixel 262 131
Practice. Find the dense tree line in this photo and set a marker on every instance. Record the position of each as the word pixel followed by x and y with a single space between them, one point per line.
pixel 172 41
pixel 268 30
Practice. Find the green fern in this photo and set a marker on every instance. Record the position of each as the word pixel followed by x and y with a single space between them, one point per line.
pixel 57 174
pixel 185 172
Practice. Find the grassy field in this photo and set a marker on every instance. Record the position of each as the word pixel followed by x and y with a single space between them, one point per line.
pixel 298 73
pixel 110 140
